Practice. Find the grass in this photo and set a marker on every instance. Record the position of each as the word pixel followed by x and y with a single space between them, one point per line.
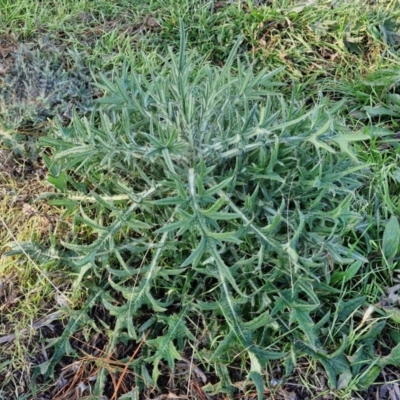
pixel 26 288
pixel 203 199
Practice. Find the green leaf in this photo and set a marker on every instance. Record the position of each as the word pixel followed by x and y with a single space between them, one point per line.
pixel 196 255
pixel 300 313
pixel 182 45
pixel 216 188
pixel 76 153
pixel 395 336
pixel 391 238
pixel 383 77
pixel 345 276
pixel 225 384
pixel 124 320
pixel 265 355
pixel 214 208
pixel 169 201
pixel 261 320
pixel 374 331
pixel 168 160
pixel 378 111
pixel 223 237
pixel 319 144
pixel 343 141
pixel 346 308
pixel 306 324
pixel 334 365
pixel 368 377
pixel 165 350
pixel 224 274
pixel 257 379
pixel 62 345
pixel 229 310
pixel 174 226
pixel 392 359
pixel 59 182
pixel 101 380
pixel 164 346
pixel 228 342
pixel 358 360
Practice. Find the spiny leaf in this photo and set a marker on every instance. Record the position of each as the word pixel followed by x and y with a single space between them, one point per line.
pixel 196 254
pixel 223 236
pixel 318 143
pixel 77 319
pixel 224 272
pixel 344 140
pixel 333 365
pixel 306 324
pixel 257 379
pixel 346 308
pixel 347 275
pixel 164 345
pixel 229 310
pixel 392 359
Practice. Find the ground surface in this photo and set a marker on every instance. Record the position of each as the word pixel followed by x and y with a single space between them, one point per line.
pixel 52 58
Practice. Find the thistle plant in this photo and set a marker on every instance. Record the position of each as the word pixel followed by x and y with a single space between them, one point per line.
pixel 218 220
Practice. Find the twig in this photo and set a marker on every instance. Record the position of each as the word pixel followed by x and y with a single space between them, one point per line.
pixel 123 373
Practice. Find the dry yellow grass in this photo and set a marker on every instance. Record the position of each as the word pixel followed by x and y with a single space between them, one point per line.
pixel 28 293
